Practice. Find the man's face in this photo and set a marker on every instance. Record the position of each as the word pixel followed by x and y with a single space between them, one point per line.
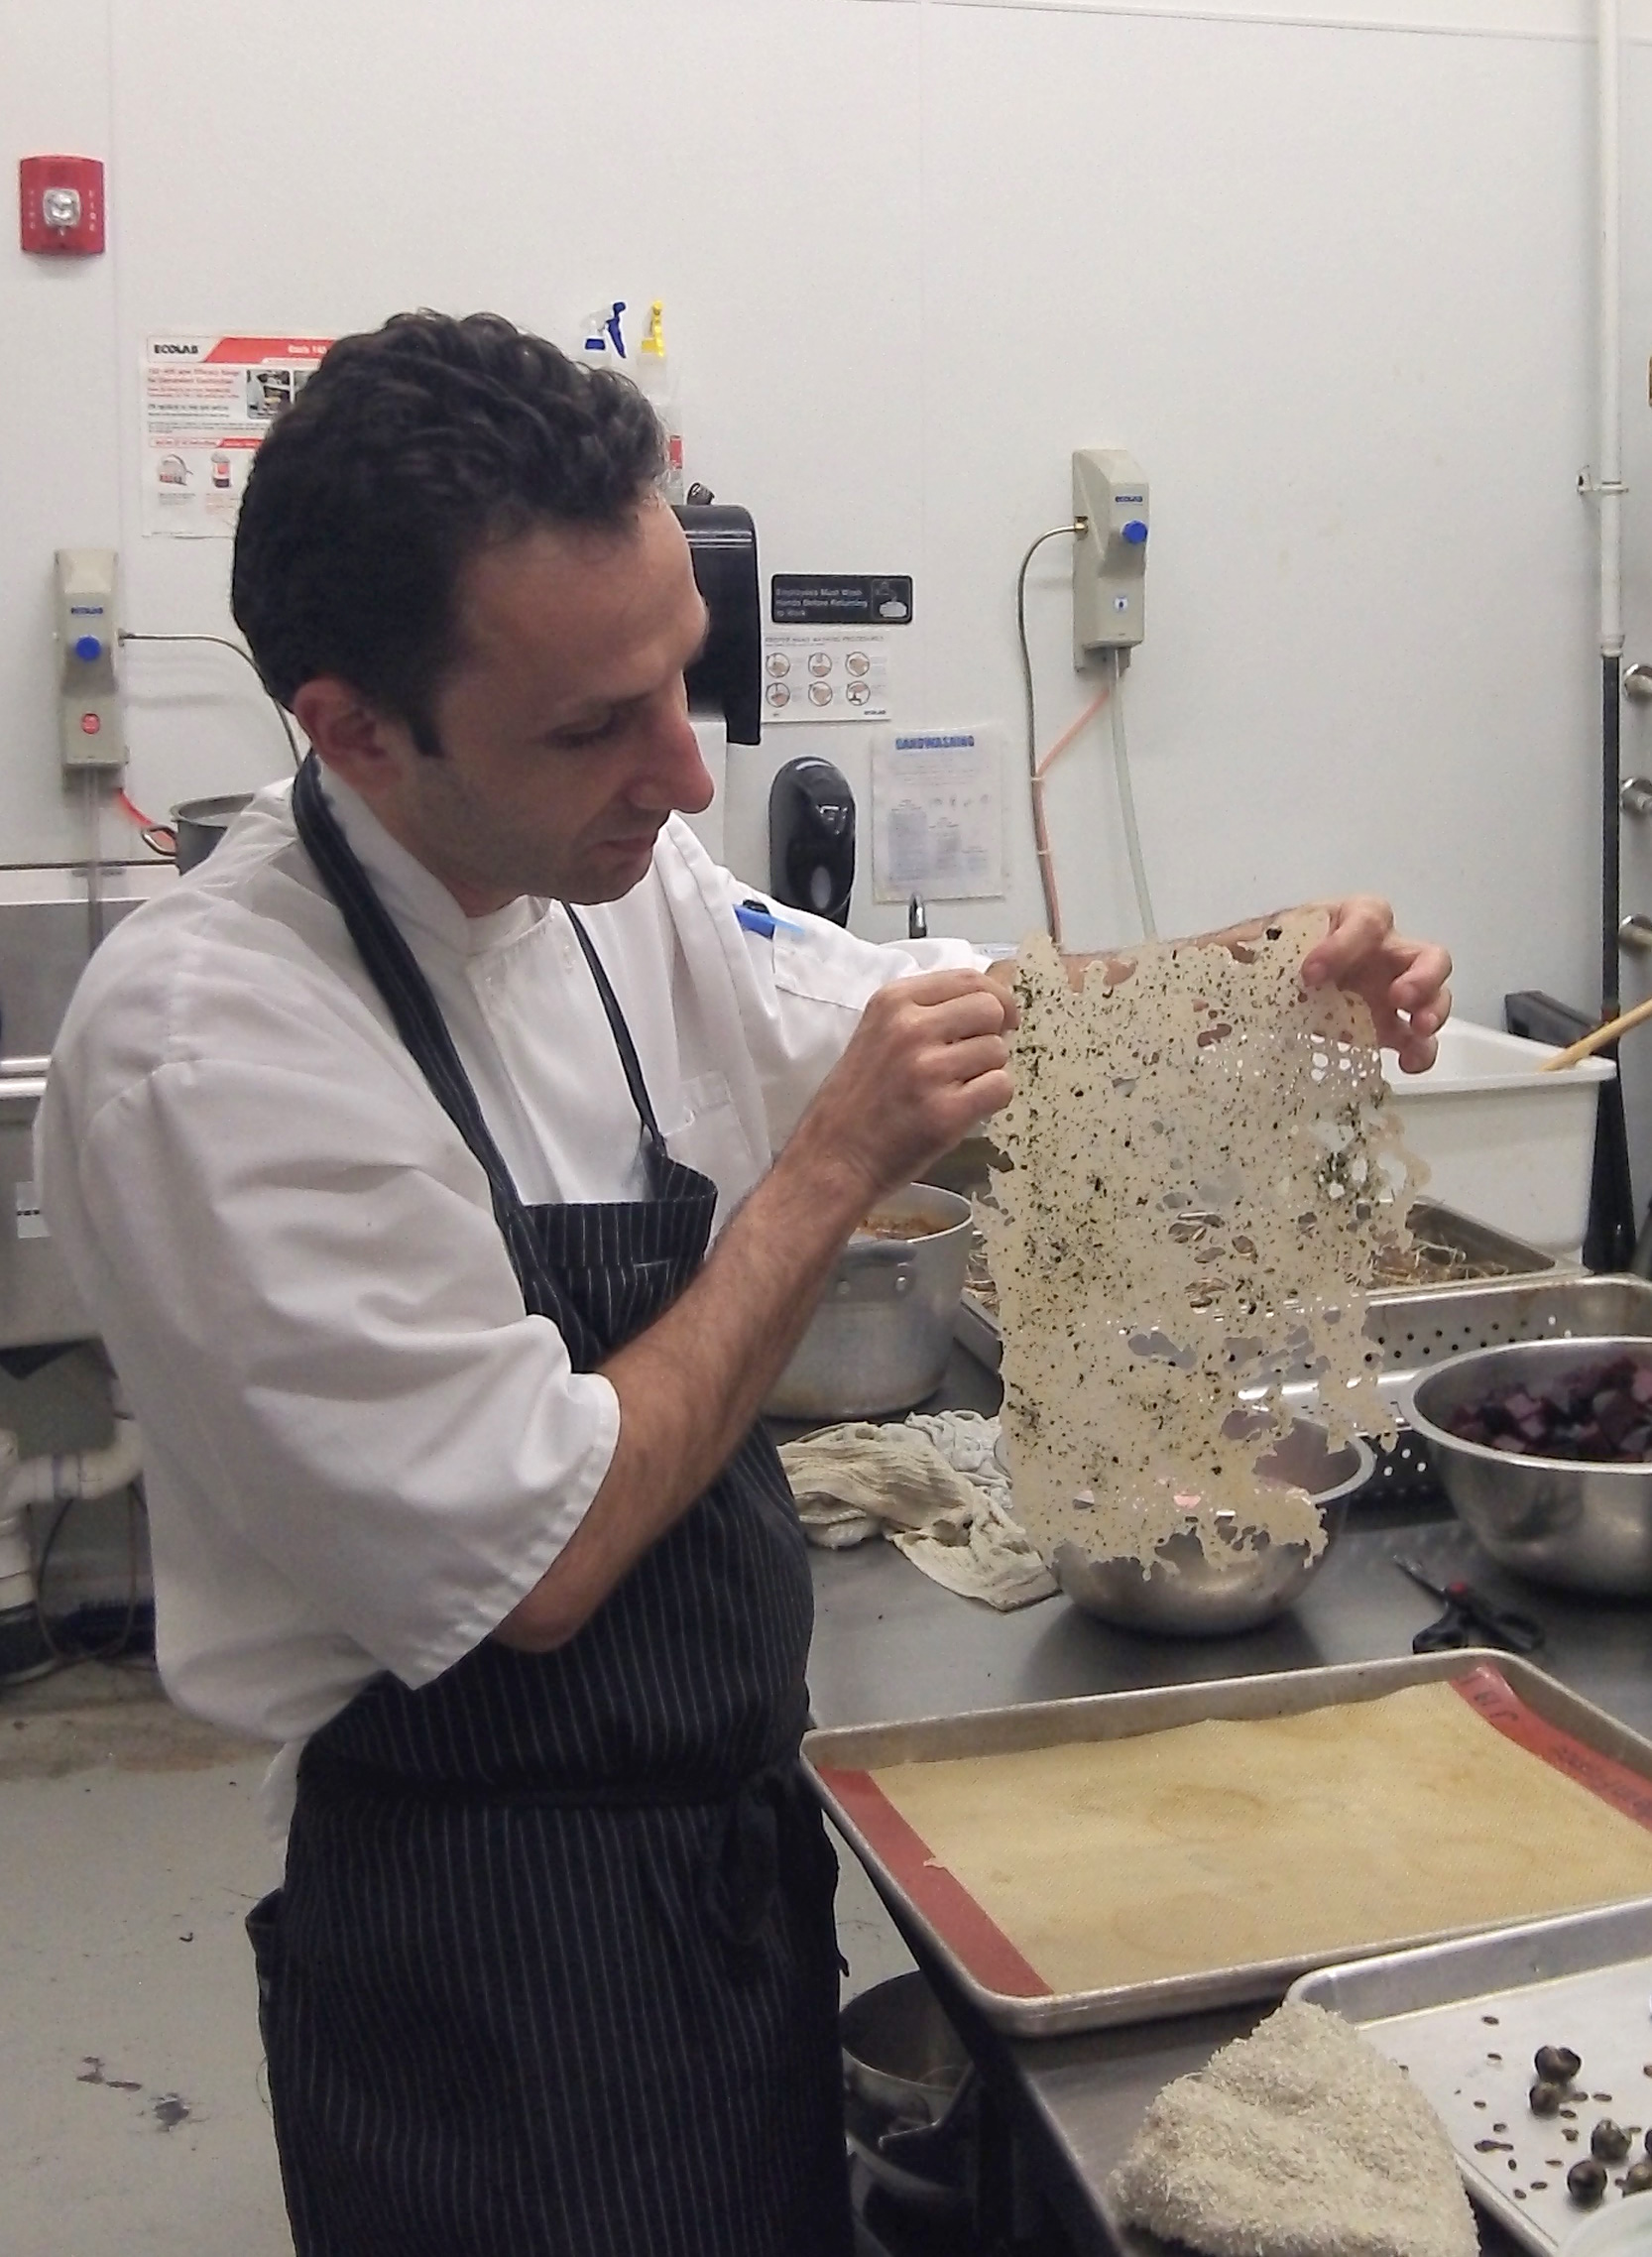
pixel 563 724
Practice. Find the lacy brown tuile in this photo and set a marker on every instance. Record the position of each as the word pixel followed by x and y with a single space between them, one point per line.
pixel 1203 1173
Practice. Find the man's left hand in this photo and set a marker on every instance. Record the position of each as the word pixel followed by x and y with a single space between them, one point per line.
pixel 1402 982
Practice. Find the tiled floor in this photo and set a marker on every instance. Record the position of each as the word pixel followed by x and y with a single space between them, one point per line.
pixel 130 2077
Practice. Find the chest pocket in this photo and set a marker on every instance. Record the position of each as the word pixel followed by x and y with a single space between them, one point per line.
pixel 703 1132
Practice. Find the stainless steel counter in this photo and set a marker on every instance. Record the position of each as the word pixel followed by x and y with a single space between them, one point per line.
pixel 890 1643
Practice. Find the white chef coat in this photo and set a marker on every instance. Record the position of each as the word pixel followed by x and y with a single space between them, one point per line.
pixel 360 1452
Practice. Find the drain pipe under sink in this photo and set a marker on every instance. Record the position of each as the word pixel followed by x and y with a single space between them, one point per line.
pixel 65 1477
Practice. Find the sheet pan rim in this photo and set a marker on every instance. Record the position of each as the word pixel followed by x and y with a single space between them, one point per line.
pixel 855 1747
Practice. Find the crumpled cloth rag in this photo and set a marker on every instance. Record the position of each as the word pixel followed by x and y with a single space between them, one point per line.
pixel 931 1484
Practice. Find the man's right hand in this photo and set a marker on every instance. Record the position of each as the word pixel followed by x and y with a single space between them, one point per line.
pixel 929 1059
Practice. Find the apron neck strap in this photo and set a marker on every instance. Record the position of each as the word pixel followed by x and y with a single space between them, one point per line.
pixel 620 1032
pixel 413 1008
pixel 395 972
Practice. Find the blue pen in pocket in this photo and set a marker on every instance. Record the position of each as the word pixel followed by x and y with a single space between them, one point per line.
pixel 754 916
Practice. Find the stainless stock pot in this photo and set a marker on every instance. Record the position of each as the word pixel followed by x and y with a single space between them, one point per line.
pixel 881 1336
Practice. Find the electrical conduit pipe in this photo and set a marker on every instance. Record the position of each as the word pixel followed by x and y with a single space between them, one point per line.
pixel 1609 484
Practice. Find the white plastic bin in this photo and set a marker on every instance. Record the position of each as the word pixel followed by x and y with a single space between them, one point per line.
pixel 1505 1144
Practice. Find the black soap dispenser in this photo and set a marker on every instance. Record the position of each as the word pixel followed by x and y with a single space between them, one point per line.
pixel 727 676
pixel 811 838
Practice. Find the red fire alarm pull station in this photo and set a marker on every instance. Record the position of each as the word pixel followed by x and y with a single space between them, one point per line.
pixel 62 200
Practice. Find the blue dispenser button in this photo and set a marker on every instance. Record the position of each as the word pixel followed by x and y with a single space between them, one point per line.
pixel 1135 533
pixel 89 648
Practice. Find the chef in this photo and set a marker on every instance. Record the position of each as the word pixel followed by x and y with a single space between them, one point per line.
pixel 452 1164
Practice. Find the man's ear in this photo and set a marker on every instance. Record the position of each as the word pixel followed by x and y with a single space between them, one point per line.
pixel 352 737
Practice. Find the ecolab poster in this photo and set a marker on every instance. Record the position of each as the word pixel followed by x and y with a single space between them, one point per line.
pixel 207 403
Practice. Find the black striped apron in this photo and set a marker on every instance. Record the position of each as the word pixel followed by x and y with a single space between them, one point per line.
pixel 554 1967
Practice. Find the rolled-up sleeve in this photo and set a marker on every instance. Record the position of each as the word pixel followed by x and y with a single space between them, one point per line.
pixel 304 1267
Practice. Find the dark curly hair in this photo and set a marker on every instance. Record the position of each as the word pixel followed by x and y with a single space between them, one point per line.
pixel 409 449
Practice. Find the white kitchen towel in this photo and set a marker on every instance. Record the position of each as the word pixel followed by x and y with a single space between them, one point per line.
pixel 932 1486
pixel 1303 2140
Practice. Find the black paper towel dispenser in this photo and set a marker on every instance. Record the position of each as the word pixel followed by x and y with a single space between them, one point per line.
pixel 811 838
pixel 727 677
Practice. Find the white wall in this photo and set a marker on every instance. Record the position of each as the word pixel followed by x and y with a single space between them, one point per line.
pixel 1332 285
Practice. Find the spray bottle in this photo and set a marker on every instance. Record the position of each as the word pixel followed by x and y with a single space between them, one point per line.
pixel 605 341
pixel 654 374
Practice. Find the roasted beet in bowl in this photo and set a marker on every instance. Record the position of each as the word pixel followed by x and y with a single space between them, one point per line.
pixel 1544 1449
pixel 1600 1413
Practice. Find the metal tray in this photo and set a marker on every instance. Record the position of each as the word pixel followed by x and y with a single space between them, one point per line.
pixel 1507 1259
pixel 1415 1330
pixel 1466 2019
pixel 946 1912
pixel 1497 1254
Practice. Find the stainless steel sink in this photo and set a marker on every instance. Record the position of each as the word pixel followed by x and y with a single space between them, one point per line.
pixel 43 946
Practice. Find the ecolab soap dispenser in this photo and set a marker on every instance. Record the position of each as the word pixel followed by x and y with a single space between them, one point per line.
pixel 811 838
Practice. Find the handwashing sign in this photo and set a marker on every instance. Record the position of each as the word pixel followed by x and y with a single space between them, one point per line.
pixel 937 813
pixel 207 403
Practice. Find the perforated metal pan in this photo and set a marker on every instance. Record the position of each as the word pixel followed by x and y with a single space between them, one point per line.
pixel 1493 1256
pixel 1415 1330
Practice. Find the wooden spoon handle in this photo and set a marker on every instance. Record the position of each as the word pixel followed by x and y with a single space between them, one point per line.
pixel 1598 1038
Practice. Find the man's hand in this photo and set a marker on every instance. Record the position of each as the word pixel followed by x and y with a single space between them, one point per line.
pixel 1402 982
pixel 928 1062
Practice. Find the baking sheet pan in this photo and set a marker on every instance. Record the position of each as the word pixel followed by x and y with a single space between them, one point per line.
pixel 941 1919
pixel 1466 2019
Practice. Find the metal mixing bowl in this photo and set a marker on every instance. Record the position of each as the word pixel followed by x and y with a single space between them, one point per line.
pixel 901 2054
pixel 1189 1593
pixel 1555 1519
pixel 907 2077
